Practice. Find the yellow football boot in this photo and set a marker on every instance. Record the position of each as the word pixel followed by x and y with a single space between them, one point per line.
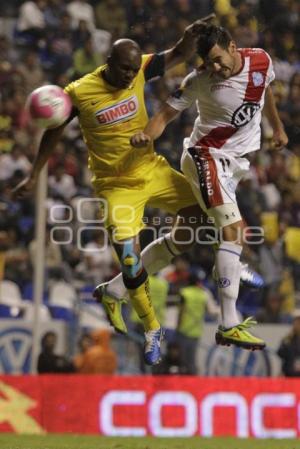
pixel 112 307
pixel 239 336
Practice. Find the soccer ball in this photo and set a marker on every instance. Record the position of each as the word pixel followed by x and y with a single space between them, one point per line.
pixel 49 106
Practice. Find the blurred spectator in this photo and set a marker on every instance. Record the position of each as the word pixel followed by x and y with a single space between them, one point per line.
pixel 185 9
pixel 250 200
pixel 62 155
pixel 31 71
pixel 97 358
pixel 62 184
pixel 289 350
pixel 195 300
pixel 172 361
pixel 138 13
pixel 5 120
pixel 81 34
pixel 162 34
pixel 55 266
pixel 271 263
pixel 245 33
pixel 111 16
pixel 7 52
pixel 48 361
pixel 81 10
pixel 86 59
pixel 10 210
pixel 56 56
pixel 20 116
pixel 17 262
pixel 286 215
pixel 15 160
pixel 98 258
pixel 3 248
pixel 31 21
pixel 31 15
pixel 6 141
pixel 272 311
pixel 178 274
pixel 84 344
pixel 53 13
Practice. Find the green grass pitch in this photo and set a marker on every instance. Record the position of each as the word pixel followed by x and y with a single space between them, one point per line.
pixel 11 441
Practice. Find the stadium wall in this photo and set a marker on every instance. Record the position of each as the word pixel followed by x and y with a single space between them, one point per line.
pixel 212 360
pixel 174 406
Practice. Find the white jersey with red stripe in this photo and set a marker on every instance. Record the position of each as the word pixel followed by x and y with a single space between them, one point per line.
pixel 230 109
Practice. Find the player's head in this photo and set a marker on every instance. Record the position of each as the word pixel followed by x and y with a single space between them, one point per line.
pixel 124 62
pixel 218 51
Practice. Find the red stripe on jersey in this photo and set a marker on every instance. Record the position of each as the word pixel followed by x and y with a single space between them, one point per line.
pixel 259 64
pixel 217 137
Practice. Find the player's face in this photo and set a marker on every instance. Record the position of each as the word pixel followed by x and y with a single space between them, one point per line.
pixel 124 69
pixel 220 62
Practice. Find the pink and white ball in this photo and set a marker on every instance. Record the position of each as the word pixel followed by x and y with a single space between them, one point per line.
pixel 49 106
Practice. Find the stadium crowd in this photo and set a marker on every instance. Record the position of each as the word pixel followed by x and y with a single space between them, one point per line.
pixel 48 41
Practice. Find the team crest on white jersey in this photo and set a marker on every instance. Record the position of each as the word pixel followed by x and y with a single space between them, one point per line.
pixel 118 112
pixel 257 78
pixel 244 114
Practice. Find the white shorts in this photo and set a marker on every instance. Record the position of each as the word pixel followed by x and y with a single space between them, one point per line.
pixel 214 176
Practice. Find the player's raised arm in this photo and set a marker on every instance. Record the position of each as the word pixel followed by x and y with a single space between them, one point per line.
pixel 155 127
pixel 180 99
pixel 279 136
pixel 48 143
pixel 186 47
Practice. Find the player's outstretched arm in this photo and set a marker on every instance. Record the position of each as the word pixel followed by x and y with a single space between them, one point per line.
pixel 48 143
pixel 186 47
pixel 279 136
pixel 155 127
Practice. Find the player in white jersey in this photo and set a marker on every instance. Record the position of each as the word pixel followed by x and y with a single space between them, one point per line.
pixel 230 91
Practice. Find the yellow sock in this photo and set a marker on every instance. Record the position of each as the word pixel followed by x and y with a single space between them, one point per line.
pixel 142 304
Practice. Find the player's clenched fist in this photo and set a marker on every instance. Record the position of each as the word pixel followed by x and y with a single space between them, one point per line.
pixel 199 25
pixel 140 139
pixel 280 139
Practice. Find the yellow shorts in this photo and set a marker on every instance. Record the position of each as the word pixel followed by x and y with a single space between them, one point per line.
pixel 161 187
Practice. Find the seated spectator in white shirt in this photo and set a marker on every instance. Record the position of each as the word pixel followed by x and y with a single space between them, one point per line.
pixel 81 10
pixel 13 161
pixel 62 184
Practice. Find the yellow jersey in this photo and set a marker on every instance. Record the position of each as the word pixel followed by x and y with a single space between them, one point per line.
pixel 109 117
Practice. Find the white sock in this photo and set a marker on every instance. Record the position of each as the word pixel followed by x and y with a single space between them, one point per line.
pixel 228 269
pixel 157 255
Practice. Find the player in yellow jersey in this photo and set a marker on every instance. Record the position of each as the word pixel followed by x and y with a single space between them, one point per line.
pixel 109 103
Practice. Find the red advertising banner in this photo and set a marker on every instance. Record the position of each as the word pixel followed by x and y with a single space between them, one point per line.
pixel 159 406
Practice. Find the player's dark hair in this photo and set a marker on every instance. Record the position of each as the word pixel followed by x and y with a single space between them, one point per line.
pixel 210 36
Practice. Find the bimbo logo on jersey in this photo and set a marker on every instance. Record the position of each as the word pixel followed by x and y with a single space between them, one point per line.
pixel 118 112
